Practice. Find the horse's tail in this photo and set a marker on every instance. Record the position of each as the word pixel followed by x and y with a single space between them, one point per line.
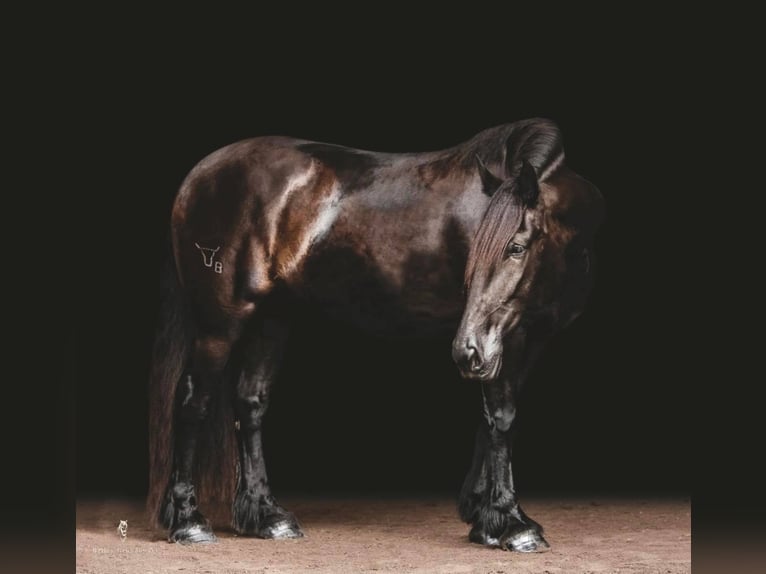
pixel 172 342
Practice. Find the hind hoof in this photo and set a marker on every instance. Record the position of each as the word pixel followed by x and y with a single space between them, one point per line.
pixel 525 541
pixel 193 534
pixel 261 516
pixel 279 526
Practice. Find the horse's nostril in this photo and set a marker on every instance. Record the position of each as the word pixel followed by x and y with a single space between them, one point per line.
pixel 474 362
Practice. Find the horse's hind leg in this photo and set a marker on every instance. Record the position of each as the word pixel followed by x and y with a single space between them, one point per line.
pixel 179 512
pixel 256 512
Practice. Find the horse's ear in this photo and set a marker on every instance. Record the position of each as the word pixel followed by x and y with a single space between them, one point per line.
pixel 526 184
pixel 489 181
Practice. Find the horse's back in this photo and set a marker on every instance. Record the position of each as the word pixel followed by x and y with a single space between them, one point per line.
pixel 284 210
pixel 233 171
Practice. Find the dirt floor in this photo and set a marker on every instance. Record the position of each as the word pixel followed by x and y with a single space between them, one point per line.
pixel 400 535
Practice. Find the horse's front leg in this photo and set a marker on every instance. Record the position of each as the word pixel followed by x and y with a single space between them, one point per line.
pixel 499 519
pixel 488 499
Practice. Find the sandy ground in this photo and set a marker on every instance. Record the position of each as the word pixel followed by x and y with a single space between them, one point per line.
pixel 400 535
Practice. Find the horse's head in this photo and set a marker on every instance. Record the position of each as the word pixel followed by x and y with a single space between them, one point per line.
pixel 531 259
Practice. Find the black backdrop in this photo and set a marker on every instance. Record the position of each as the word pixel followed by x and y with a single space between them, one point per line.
pixel 351 413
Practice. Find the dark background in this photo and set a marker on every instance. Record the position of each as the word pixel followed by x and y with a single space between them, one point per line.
pixel 351 413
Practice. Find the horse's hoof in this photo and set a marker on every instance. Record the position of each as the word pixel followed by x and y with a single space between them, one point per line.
pixel 281 525
pixel 192 534
pixel 526 541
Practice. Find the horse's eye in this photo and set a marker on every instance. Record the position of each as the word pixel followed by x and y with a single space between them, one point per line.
pixel 516 249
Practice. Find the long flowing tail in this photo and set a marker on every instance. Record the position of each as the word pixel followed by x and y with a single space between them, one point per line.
pixel 171 351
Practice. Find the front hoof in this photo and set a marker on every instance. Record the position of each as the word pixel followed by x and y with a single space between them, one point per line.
pixel 279 525
pixel 528 540
pixel 192 533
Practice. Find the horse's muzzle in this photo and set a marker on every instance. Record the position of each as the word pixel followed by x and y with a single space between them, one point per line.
pixel 470 360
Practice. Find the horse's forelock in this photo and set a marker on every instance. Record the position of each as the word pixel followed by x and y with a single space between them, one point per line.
pixel 536 140
pixel 500 222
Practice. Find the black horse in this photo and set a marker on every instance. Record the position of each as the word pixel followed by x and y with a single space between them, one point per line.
pixel 496 230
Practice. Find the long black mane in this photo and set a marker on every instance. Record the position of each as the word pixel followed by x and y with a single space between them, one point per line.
pixel 539 142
